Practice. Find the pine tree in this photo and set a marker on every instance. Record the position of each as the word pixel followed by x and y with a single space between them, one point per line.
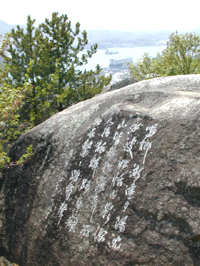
pixel 49 59
pixel 61 50
pixel 21 59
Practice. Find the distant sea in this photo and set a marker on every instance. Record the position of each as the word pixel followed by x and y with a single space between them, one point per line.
pixel 136 53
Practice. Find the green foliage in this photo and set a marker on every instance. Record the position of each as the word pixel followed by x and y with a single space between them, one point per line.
pixel 11 100
pixel 61 47
pixel 41 76
pixel 181 57
pixel 4 44
pixel 27 156
pixel 49 58
pixel 20 59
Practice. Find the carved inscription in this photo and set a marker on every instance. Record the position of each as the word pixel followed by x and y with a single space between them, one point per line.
pixel 101 175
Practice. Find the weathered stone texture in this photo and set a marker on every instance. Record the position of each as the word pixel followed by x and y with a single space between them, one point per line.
pixel 122 83
pixel 114 181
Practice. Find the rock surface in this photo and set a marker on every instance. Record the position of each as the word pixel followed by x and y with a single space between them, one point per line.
pixel 115 180
pixel 121 84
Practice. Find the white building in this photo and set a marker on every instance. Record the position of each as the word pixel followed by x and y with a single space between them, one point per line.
pixel 120 62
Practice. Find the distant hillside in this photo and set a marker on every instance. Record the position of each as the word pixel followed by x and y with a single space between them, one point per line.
pixel 107 39
pixel 4 27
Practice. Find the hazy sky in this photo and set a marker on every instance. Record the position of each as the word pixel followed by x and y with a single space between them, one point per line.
pixel 131 15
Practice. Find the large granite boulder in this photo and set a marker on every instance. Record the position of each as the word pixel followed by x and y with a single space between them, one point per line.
pixel 114 180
